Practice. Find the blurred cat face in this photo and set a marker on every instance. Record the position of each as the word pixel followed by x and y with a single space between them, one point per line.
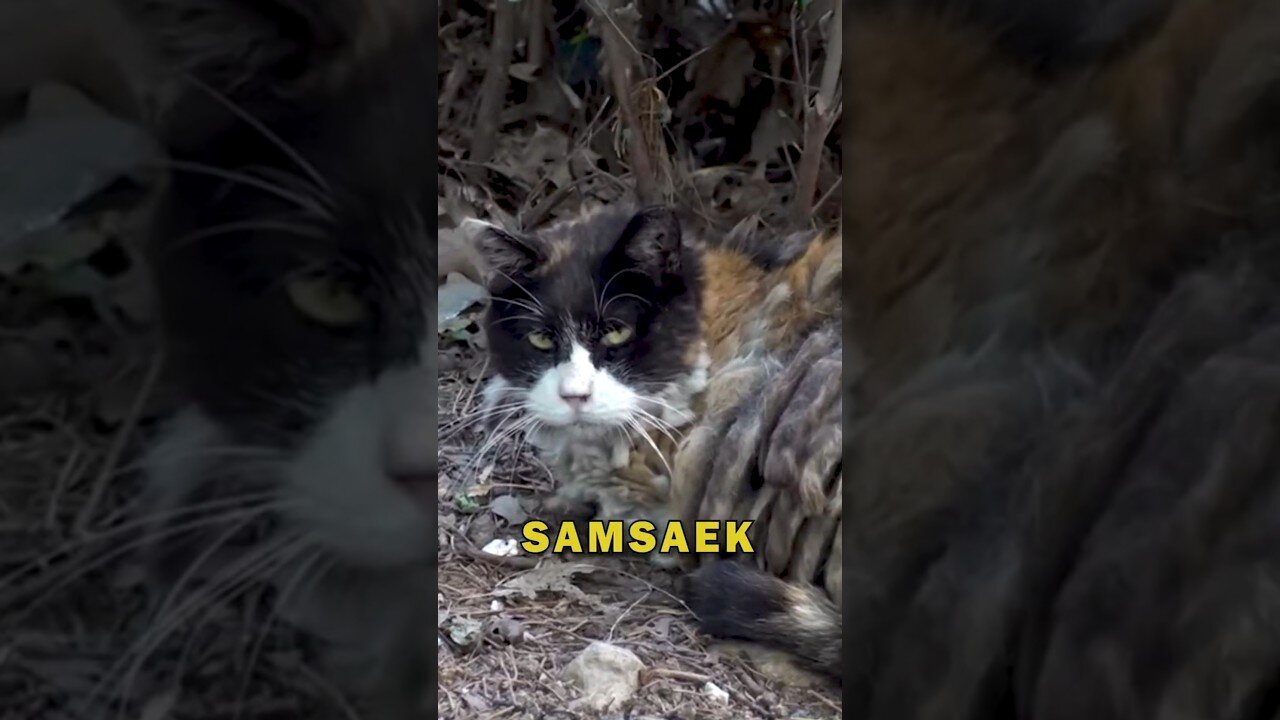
pixel 296 274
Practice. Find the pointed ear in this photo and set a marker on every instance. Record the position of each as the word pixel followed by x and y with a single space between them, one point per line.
pixel 652 242
pixel 504 253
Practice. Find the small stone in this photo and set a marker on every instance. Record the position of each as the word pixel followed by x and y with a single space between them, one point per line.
pixel 502 547
pixel 715 692
pixel 606 674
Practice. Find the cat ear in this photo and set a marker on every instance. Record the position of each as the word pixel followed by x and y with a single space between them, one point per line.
pixel 503 253
pixel 652 241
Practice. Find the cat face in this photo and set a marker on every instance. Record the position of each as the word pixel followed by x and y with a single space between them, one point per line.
pixel 296 272
pixel 593 321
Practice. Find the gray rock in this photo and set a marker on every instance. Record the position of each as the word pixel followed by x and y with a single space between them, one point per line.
pixel 606 674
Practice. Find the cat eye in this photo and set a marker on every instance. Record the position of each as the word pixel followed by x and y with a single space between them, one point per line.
pixel 326 299
pixel 541 340
pixel 617 336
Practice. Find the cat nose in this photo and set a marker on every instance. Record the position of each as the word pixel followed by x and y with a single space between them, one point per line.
pixel 575 399
pixel 409 452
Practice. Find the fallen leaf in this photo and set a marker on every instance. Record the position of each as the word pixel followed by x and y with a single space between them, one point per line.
pixel 547 577
pixel 457 295
pixel 476 702
pixel 464 631
pixel 457 255
pixel 508 508
pixel 525 71
pixel 64 151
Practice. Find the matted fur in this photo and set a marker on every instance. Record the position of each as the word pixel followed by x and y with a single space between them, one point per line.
pixel 1063 497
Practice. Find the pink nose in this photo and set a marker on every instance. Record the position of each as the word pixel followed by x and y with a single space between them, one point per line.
pixel 576 400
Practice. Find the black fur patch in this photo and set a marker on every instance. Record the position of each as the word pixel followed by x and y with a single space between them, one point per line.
pixel 577 280
pixel 732 599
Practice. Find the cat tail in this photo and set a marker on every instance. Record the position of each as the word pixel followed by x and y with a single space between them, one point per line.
pixel 735 601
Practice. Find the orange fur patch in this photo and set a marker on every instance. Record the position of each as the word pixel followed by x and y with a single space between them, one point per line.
pixel 736 287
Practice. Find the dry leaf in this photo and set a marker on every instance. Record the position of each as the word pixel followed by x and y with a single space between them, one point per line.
pixel 457 295
pixel 66 151
pixel 547 577
pixel 508 508
pixel 525 71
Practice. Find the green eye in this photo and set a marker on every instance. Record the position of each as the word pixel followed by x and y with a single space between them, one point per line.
pixel 326 299
pixel 617 336
pixel 541 340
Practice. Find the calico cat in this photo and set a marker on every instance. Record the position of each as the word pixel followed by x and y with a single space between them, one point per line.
pixel 595 337
pixel 651 368
pixel 295 267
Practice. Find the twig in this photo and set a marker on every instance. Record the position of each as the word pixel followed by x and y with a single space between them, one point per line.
pixel 621 71
pixel 651 674
pixel 493 90
pixel 537 32
pixel 820 116
pixel 452 86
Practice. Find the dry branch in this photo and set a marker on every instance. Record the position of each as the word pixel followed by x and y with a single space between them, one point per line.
pixel 624 78
pixel 493 91
pixel 821 115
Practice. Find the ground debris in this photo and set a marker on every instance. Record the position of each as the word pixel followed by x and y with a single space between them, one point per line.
pixel 606 674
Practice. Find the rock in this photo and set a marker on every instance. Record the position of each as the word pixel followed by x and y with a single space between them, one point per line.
pixel 606 674
pixel 502 547
pixel 715 692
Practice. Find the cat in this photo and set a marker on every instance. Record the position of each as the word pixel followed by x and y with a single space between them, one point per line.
pixel 650 367
pixel 595 338
pixel 295 266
